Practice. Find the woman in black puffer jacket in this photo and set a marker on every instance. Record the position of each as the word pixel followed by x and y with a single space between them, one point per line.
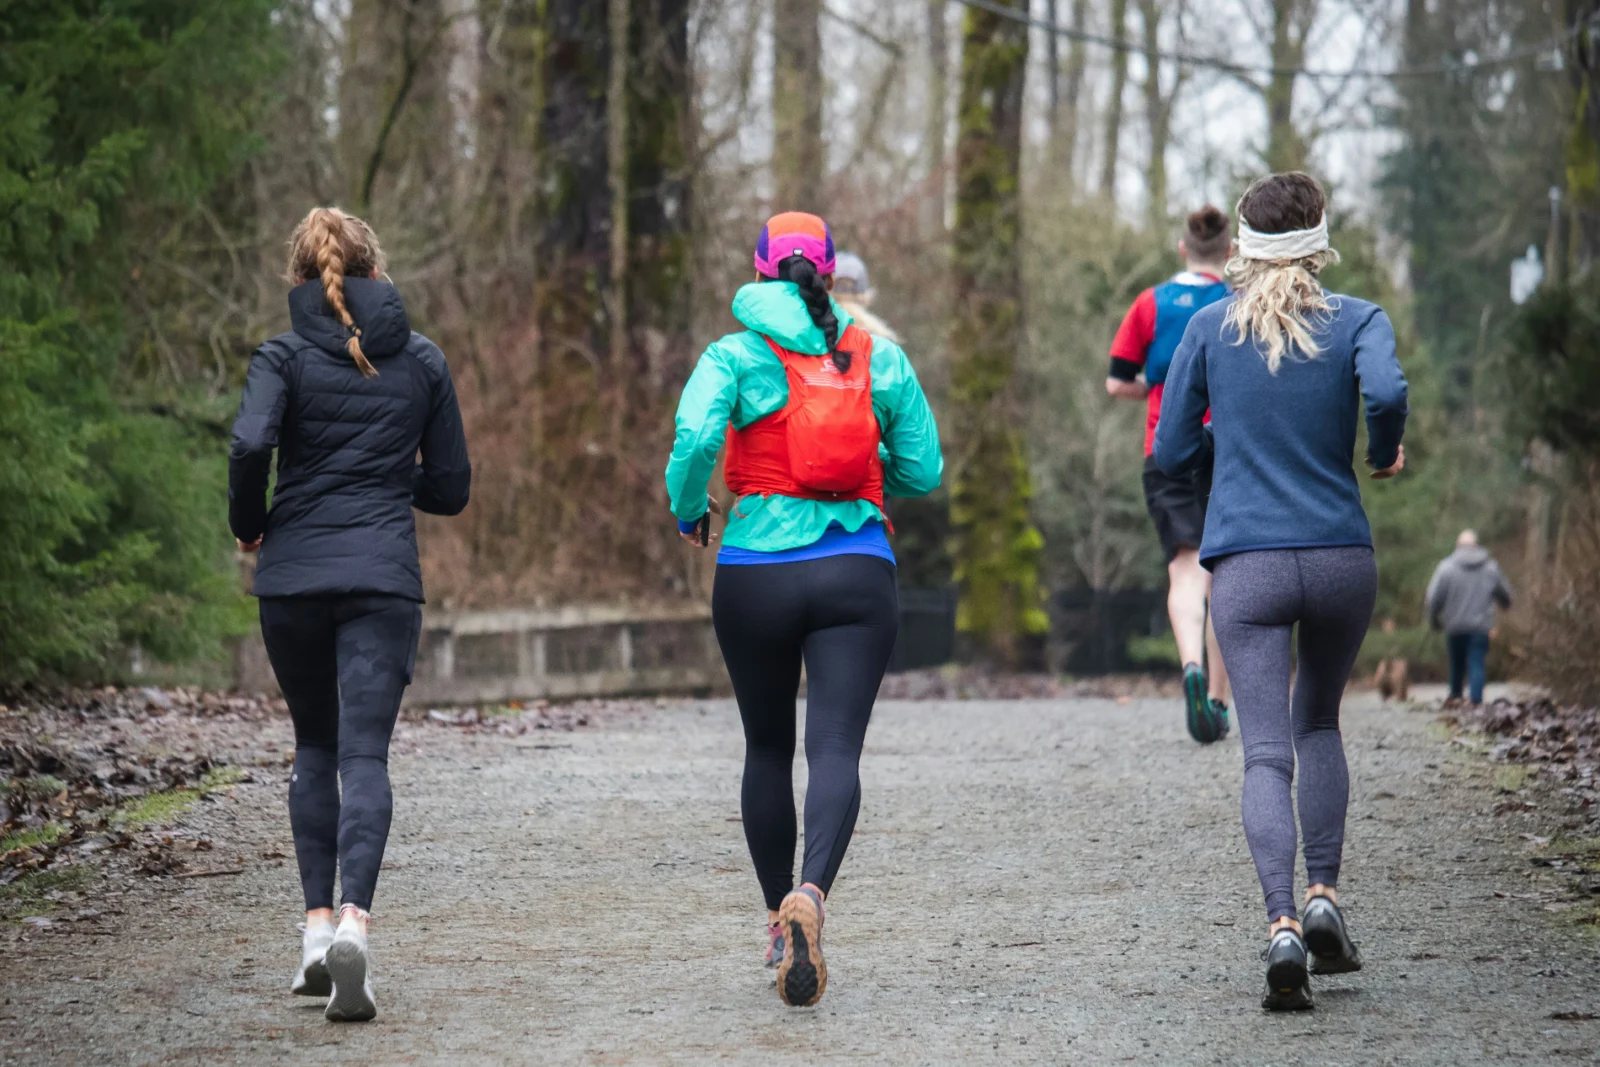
pixel 348 398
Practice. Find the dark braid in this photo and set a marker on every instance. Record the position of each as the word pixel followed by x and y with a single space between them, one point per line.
pixel 814 292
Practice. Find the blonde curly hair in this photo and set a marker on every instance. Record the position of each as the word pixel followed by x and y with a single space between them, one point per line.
pixel 1279 303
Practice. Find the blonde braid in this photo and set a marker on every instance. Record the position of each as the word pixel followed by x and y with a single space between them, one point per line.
pixel 330 244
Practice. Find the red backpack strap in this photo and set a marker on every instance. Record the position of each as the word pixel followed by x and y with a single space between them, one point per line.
pixel 857 342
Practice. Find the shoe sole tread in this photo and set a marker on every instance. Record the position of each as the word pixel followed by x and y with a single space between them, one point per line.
pixel 347 966
pixel 802 973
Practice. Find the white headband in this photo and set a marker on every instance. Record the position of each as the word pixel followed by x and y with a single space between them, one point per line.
pixel 1295 244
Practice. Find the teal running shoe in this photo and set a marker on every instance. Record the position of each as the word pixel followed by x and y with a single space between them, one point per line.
pixel 1219 711
pixel 1206 723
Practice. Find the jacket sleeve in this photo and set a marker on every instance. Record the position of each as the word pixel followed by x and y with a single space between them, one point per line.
pixel 701 427
pixel 442 482
pixel 1433 599
pixel 1182 443
pixel 1383 386
pixel 255 436
pixel 913 462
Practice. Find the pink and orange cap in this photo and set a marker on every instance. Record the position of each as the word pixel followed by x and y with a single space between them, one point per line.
pixel 794 233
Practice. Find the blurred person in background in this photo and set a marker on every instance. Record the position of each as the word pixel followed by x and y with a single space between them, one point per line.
pixel 852 290
pixel 1461 599
pixel 1140 356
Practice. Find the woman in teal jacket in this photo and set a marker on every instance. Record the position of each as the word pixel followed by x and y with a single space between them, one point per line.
pixel 800 578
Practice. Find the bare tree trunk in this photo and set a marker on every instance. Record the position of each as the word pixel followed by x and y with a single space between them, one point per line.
pixel 1119 79
pixel 797 149
pixel 1052 45
pixel 1067 137
pixel 995 546
pixel 1158 111
pixel 618 17
pixel 617 177
pixel 938 108
pixel 391 97
pixel 1291 22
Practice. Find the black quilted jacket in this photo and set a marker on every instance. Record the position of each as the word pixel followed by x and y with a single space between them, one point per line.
pixel 348 470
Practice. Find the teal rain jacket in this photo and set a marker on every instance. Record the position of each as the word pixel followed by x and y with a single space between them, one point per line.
pixel 740 380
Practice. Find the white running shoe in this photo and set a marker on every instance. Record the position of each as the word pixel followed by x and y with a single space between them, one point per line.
pixel 312 980
pixel 352 999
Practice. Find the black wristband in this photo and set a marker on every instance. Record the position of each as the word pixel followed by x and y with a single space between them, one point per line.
pixel 1124 370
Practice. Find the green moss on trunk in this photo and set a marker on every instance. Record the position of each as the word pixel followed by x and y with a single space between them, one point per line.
pixel 995 546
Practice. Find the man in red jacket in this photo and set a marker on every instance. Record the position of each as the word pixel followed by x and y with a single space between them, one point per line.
pixel 1140 355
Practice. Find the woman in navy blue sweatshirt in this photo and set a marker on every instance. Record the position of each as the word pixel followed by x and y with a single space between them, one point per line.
pixel 1284 367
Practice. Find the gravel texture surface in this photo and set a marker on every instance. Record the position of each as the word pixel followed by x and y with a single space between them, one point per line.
pixel 1056 881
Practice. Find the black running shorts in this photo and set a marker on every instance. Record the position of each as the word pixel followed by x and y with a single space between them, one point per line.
pixel 1178 506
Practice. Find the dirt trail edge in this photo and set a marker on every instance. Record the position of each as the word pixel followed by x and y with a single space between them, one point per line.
pixel 1031 882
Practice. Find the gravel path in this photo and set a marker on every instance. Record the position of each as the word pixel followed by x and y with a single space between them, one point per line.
pixel 1031 882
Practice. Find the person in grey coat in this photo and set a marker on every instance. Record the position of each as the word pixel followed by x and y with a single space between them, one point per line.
pixel 1461 600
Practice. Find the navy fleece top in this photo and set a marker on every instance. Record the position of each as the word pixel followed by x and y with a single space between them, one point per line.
pixel 1283 443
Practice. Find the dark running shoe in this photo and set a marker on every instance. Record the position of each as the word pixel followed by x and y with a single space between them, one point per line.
pixel 1332 951
pixel 802 974
pixel 1219 712
pixel 774 944
pixel 1288 980
pixel 1205 725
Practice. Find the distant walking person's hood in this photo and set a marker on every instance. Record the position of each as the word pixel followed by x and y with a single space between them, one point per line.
pixel 1470 556
pixel 775 310
pixel 376 306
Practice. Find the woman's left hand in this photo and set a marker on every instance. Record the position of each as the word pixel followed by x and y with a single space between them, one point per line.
pixel 253 546
pixel 712 508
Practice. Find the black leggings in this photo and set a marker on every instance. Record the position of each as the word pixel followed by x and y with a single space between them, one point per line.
pixel 343 663
pixel 841 614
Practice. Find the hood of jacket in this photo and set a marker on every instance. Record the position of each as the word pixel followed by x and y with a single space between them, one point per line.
pixel 775 310
pixel 1470 556
pixel 375 305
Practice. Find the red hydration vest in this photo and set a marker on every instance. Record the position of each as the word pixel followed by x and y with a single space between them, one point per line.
pixel 822 444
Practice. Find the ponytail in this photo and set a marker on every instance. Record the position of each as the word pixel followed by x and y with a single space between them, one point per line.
pixel 329 244
pixel 814 291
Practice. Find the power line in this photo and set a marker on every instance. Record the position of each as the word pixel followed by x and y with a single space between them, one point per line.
pixel 1192 59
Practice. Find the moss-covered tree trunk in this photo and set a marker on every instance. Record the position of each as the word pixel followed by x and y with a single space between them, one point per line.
pixel 613 237
pixel 995 546
pixel 1582 148
pixel 609 275
pixel 797 150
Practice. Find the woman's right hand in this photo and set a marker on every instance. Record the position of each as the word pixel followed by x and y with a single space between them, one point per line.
pixel 253 546
pixel 1394 468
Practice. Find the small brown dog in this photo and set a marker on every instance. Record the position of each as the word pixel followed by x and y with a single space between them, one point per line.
pixel 1393 678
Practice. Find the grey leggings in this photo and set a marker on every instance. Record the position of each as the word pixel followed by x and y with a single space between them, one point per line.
pixel 1256 600
pixel 343 663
